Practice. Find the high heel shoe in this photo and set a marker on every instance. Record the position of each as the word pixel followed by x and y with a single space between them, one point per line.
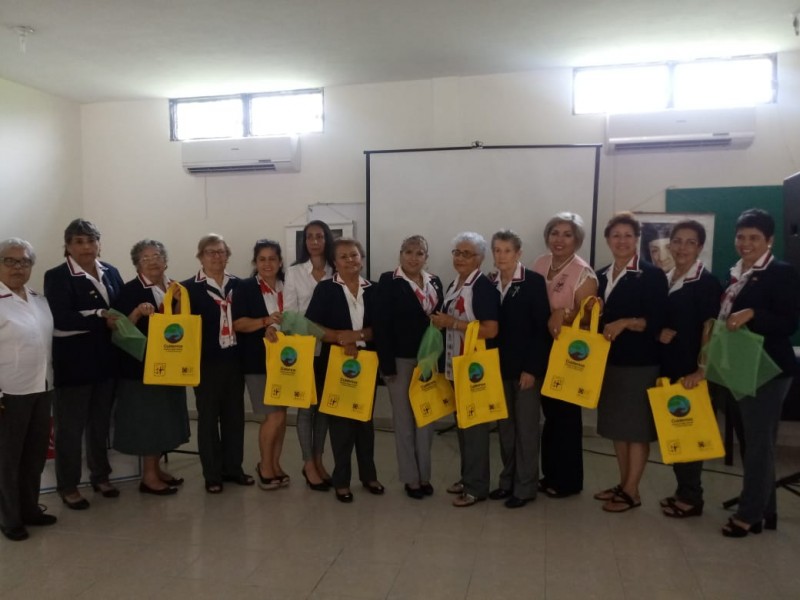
pixel 771 521
pixel 734 530
pixel 317 487
pixel 346 497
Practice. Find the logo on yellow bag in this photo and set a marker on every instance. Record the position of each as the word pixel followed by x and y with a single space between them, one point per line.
pixel 578 350
pixel 351 368
pixel 173 333
pixel 288 356
pixel 475 372
pixel 679 406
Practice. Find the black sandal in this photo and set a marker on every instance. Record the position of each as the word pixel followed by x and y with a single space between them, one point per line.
pixel 214 487
pixel 240 479
pixel 623 498
pixel 734 530
pixel 676 512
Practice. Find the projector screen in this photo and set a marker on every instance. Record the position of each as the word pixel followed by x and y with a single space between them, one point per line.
pixel 439 193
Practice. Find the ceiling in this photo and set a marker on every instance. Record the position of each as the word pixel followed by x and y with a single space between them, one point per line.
pixel 101 50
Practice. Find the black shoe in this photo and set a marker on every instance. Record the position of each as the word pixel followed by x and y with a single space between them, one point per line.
pixel 81 504
pixel 240 479
pixel 499 494
pixel 771 521
pixel 40 519
pixel 15 534
pixel 346 497
pixel 514 502
pixel 374 488
pixel 167 491
pixel 317 487
pixel 426 488
pixel 106 489
pixel 174 481
pixel 415 493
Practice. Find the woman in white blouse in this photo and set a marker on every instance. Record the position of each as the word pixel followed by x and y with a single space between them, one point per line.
pixel 26 333
pixel 314 264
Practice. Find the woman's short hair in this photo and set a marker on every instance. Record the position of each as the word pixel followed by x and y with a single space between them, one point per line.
pixel 80 227
pixel 571 219
pixel 691 225
pixel 209 240
pixel 476 239
pixel 275 247
pixel 141 245
pixel 15 242
pixel 757 219
pixel 346 241
pixel 414 241
pixel 623 218
pixel 506 235
pixel 304 256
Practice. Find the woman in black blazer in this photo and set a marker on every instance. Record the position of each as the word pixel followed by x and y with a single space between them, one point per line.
pixel 635 295
pixel 343 307
pixel 80 292
pixel 764 295
pixel 406 298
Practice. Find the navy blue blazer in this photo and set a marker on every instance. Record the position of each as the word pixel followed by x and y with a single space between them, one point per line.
pixel 642 294
pixel 400 320
pixel 248 301
pixel 774 295
pixel 204 305
pixel 523 339
pixel 328 307
pixel 688 309
pixel 88 357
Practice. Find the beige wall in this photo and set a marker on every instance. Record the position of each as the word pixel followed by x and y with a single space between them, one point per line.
pixel 40 170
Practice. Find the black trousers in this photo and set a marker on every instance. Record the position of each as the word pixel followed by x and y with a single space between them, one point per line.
pixel 345 435
pixel 562 446
pixel 220 419
pixel 80 409
pixel 24 435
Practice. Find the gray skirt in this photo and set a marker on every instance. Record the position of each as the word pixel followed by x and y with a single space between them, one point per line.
pixel 623 413
pixel 149 419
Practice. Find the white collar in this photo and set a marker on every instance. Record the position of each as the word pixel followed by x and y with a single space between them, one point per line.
pixel 361 281
pixel 77 271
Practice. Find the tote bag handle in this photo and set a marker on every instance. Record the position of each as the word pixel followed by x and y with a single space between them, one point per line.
pixel 186 308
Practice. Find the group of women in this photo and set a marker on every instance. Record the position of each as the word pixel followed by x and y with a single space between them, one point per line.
pixel 654 321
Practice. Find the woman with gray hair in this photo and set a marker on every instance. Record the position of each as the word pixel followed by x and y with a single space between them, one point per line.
pixel 149 419
pixel 470 297
pixel 26 333
pixel 569 281
pixel 80 291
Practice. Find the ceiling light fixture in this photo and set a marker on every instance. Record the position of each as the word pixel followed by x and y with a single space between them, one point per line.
pixel 23 31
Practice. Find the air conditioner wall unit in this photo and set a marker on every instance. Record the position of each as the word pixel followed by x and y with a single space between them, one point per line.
pixel 680 130
pixel 259 154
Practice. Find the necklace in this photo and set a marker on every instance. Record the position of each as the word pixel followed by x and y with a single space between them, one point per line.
pixel 562 265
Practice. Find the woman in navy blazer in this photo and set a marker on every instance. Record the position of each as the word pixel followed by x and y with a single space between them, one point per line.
pixel 343 307
pixel 80 292
pixel 764 295
pixel 406 298
pixel 635 295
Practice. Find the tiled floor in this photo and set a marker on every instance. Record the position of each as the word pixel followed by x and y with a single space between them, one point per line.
pixel 296 543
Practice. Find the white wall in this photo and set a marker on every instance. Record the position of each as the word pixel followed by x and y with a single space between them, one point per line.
pixel 134 185
pixel 40 170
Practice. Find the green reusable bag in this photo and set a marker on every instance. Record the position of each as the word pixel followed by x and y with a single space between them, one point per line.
pixel 430 349
pixel 737 360
pixel 127 336
pixel 294 323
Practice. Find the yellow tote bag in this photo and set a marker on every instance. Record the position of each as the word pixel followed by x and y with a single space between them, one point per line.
pixel 349 390
pixel 578 362
pixel 685 421
pixel 480 397
pixel 432 398
pixel 290 371
pixel 173 344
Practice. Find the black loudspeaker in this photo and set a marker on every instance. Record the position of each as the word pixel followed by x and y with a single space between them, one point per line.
pixel 791 220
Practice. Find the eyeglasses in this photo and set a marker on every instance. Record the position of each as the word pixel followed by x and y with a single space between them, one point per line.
pixel 156 258
pixel 22 263
pixel 463 253
pixel 210 252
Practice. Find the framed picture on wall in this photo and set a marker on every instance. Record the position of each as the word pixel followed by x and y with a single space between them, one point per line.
pixel 654 242
pixel 295 241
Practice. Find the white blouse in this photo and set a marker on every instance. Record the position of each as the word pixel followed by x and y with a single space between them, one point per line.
pixel 299 284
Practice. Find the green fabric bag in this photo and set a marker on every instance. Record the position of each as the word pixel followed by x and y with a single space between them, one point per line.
pixel 294 323
pixel 737 360
pixel 430 349
pixel 127 336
